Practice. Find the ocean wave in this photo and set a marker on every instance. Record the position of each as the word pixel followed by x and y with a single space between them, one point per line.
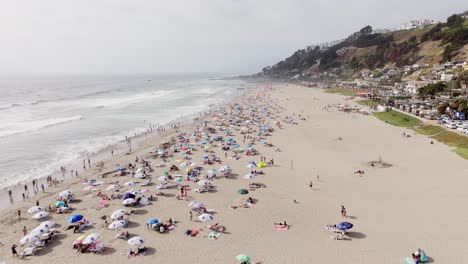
pixel 32 126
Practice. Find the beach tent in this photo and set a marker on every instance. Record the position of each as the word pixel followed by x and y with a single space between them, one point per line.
pixel 117 224
pixel 38 231
pixel 144 201
pixel 112 187
pixel 195 205
pixel 206 217
pixel 117 214
pixel 136 241
pixel 163 179
pixel 40 215
pixel 128 196
pixel 212 172
pixel 243 258
pixel 35 209
pixel 91 238
pixel 203 183
pixel 140 175
pixel 130 183
pixel 242 191
pixel 75 218
pixel 60 204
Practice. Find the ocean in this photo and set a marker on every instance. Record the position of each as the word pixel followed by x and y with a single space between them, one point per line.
pixel 53 121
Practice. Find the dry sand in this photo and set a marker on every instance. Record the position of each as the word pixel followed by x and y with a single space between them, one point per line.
pixel 417 202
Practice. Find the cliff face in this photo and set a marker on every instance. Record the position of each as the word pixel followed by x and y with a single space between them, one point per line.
pixel 367 50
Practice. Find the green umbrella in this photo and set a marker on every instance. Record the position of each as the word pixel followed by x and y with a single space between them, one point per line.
pixel 242 191
pixel 166 173
pixel 243 258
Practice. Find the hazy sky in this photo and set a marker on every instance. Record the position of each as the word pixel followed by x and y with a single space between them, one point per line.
pixel 238 36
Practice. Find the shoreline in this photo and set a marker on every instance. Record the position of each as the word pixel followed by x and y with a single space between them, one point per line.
pixel 102 155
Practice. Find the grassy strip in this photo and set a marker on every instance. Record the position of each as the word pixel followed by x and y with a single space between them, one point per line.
pixel 396 118
pixel 342 91
pixel 368 103
pixel 428 130
pixel 450 138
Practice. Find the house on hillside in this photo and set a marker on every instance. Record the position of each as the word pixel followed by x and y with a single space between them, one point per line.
pixel 446 77
pixel 412 87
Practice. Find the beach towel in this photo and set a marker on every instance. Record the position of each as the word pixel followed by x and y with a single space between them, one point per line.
pixel 282 227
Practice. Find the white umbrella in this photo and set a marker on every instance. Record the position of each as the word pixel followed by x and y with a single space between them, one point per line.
pixel 136 241
pixel 35 209
pixel 40 215
pixel 163 179
pixel 144 201
pixel 112 187
pixel 250 165
pixel 195 205
pixel 212 172
pixel 65 193
pixel 130 183
pixel 249 176
pixel 203 183
pixel 206 217
pixel 91 238
pixel 129 201
pixel 225 169
pixel 140 175
pixel 47 224
pixel 29 239
pixel 38 231
pixel 118 213
pixel 140 170
pixel 117 224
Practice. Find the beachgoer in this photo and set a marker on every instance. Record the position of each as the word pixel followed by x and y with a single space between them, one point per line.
pixel 13 250
pixel 42 187
pixel 191 215
pixel 25 231
pixel 343 212
pixel 19 214
pixel 10 194
pixel 37 202
pixel 311 184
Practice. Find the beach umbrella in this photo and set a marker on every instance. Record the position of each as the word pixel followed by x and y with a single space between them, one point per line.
pixel 249 176
pixel 136 241
pixel 140 170
pixel 163 179
pixel 65 193
pixel 195 205
pixel 75 218
pixel 203 183
pixel 40 215
pixel 120 169
pixel 140 175
pixel 112 187
pixel 38 231
pixel 144 201
pixel 60 204
pixel 47 224
pixel 29 239
pixel 243 258
pixel 79 240
pixel 117 214
pixel 128 196
pixel 261 164
pixel 225 168
pixel 206 217
pixel 178 179
pixel 103 203
pixel 344 225
pixel 212 172
pixel 242 191
pixel 152 221
pixel 35 209
pixel 166 173
pixel 91 238
pixel 229 140
pixel 130 183
pixel 117 224
pixel 129 201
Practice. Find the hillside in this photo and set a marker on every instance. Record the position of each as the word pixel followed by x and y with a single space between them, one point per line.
pixel 366 49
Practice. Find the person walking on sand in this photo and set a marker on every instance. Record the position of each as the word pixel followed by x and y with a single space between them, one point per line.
pixel 26 189
pixel 37 202
pixel 42 187
pixel 311 184
pixel 191 216
pixel 13 250
pixel 84 165
pixel 19 214
pixel 25 231
pixel 343 212
pixel 89 163
pixel 10 194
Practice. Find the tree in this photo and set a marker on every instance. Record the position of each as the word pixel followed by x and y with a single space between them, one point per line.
pixel 442 107
pixel 463 77
pixel 432 89
pixel 354 64
pixel 366 30
pixel 455 21
pixel 462 107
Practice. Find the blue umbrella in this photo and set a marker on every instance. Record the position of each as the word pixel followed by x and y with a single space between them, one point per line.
pixel 120 169
pixel 205 157
pixel 152 221
pixel 59 204
pixel 178 179
pixel 75 218
pixel 203 143
pixel 344 225
pixel 229 140
pixel 129 195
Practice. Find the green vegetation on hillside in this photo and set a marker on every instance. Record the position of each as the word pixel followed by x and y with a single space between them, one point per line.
pixel 396 118
pixel 453 139
pixel 428 130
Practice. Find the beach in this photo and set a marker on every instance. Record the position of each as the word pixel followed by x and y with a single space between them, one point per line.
pixel 415 201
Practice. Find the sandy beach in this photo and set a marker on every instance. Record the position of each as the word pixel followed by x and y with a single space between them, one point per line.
pixel 415 202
